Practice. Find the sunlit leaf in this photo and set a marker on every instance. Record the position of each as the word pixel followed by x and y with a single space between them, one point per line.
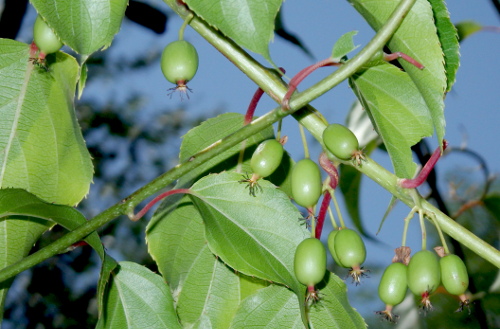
pixel 249 23
pixel 417 37
pixel 397 111
pixel 343 46
pixel 84 25
pixel 138 298
pixel 448 38
pixel 41 145
pixel 256 236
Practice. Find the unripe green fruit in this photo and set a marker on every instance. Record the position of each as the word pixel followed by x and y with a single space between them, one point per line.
pixel 424 275
pixel 45 38
pixel 393 285
pixel 267 157
pixel 350 248
pixel 341 141
pixel 331 245
pixel 179 62
pixel 454 274
pixel 310 262
pixel 306 183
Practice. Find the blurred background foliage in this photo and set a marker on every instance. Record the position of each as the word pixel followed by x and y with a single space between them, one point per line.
pixel 129 152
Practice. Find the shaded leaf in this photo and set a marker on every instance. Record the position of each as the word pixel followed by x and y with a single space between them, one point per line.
pixel 343 46
pixel 467 28
pixel 448 38
pixel 397 111
pixel 138 298
pixel 492 203
pixel 84 25
pixel 288 36
pixel 249 23
pixel 416 37
pixel 48 158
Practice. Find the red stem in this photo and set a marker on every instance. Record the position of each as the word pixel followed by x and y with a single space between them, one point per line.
pixel 253 103
pixel 393 56
pixel 322 214
pixel 294 82
pixel 330 169
pixel 424 173
pixel 159 198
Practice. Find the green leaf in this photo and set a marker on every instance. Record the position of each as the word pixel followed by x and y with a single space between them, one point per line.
pixel 416 37
pixel 209 296
pixel 138 298
pixel 467 28
pixel 205 289
pixel 333 309
pixel 249 23
pixel 344 46
pixel 256 236
pixel 84 25
pixel 278 307
pixel 18 234
pixel 492 203
pixel 41 145
pixel 397 111
pixel 271 307
pixel 17 203
pixel 448 38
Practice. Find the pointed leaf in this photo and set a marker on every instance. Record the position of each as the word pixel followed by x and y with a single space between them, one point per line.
pixel 256 236
pixel 448 38
pixel 84 25
pixel 467 28
pixel 249 23
pixel 416 37
pixel 397 110
pixel 41 145
pixel 138 298
pixel 290 37
pixel 344 46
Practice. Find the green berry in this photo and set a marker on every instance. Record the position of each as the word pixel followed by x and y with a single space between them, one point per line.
pixel 306 183
pixel 393 284
pixel 454 274
pixel 424 274
pixel 310 262
pixel 45 38
pixel 350 248
pixel 340 141
pixel 179 62
pixel 267 157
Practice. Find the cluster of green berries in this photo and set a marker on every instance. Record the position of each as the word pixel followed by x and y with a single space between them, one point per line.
pixel 423 275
